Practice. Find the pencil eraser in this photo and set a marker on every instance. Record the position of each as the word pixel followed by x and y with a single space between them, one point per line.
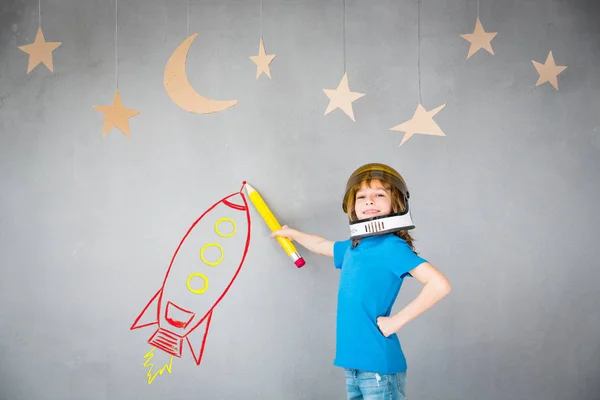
pixel 300 262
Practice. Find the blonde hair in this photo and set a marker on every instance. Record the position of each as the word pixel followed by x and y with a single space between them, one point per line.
pixel 397 202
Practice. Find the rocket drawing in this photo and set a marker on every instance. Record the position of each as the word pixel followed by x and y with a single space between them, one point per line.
pixel 202 270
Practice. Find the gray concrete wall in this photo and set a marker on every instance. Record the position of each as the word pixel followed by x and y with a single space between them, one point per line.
pixel 505 204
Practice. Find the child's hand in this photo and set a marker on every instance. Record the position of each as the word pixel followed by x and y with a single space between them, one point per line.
pixel 286 232
pixel 387 326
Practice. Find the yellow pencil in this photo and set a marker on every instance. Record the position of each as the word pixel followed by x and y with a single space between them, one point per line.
pixel 272 223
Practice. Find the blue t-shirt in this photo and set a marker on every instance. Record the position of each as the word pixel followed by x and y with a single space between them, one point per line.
pixel 370 280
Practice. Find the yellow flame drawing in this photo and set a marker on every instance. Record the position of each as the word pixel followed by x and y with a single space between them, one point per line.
pixel 149 365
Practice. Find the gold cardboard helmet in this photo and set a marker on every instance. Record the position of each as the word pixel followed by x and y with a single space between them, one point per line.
pixel 382 172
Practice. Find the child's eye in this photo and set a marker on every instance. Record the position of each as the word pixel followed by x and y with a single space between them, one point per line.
pixel 381 195
pixel 360 197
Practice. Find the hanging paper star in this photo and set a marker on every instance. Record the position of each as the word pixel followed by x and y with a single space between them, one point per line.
pixel 116 115
pixel 422 122
pixel 342 97
pixel 40 51
pixel 548 71
pixel 479 39
pixel 262 61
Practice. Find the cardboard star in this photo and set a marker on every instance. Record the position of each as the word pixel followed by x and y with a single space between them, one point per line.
pixel 479 39
pixel 548 71
pixel 342 98
pixel 40 51
pixel 422 122
pixel 116 115
pixel 262 61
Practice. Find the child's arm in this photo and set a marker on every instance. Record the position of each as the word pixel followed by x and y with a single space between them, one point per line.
pixel 314 243
pixel 435 287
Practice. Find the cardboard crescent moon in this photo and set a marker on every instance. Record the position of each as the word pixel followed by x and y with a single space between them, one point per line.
pixel 178 86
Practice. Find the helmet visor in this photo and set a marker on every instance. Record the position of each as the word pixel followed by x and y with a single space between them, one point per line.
pixel 375 171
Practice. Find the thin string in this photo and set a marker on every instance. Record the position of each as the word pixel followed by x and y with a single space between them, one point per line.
pixel 344 35
pixel 117 44
pixel 261 20
pixel 549 12
pixel 40 13
pixel 187 16
pixel 419 48
pixel 477 9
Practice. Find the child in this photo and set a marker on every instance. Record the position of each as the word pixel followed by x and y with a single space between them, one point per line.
pixel 372 271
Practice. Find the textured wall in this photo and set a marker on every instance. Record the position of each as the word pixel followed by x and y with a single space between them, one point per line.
pixel 504 204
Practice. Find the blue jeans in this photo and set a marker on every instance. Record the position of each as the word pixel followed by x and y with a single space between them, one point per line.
pixel 364 385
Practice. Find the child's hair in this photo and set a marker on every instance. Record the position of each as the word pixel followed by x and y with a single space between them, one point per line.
pixel 398 205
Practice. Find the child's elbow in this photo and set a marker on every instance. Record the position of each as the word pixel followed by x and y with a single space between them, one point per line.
pixel 444 287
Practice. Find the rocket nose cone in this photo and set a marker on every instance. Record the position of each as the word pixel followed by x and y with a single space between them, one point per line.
pixel 236 201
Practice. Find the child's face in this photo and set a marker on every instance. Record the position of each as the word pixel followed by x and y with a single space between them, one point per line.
pixel 372 201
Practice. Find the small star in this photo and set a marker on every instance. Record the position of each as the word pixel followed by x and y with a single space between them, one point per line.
pixel 262 61
pixel 40 51
pixel 479 39
pixel 422 122
pixel 548 71
pixel 116 115
pixel 342 98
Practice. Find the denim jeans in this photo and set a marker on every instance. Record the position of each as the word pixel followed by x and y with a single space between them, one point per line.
pixel 364 385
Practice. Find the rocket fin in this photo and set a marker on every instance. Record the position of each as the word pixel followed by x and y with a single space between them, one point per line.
pixel 149 315
pixel 198 335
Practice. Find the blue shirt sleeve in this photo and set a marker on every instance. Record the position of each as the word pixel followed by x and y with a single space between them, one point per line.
pixel 405 260
pixel 339 250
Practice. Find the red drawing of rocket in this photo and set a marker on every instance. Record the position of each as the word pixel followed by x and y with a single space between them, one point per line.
pixel 203 268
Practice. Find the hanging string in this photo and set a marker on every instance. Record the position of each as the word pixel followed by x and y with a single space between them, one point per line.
pixel 117 43
pixel 40 12
pixel 478 9
pixel 419 48
pixel 549 12
pixel 261 20
pixel 187 16
pixel 344 35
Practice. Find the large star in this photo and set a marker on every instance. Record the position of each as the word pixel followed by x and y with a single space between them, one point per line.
pixel 479 39
pixel 422 122
pixel 548 71
pixel 342 97
pixel 116 115
pixel 40 51
pixel 262 61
